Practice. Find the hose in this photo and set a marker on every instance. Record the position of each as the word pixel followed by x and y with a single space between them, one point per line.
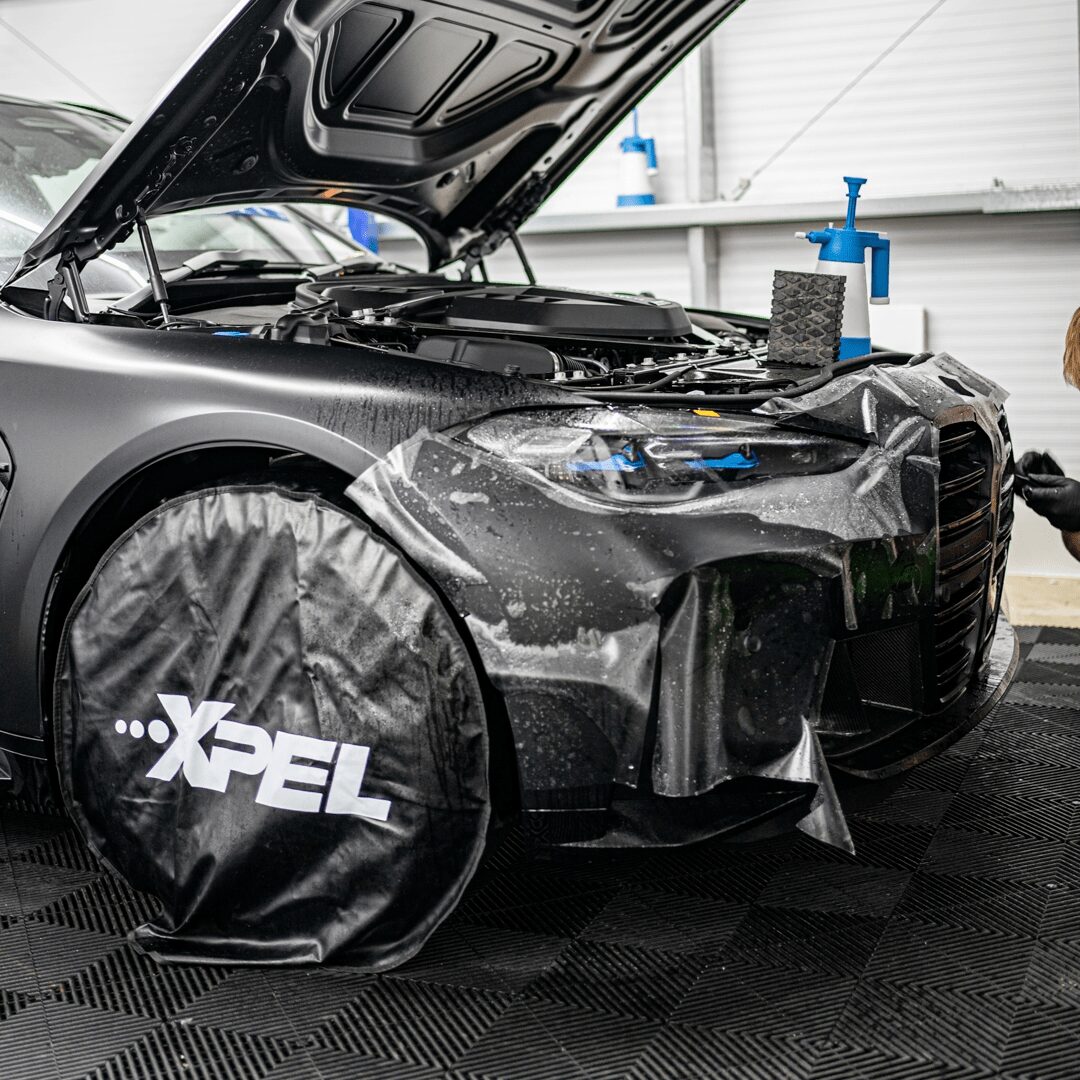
pixel 841 367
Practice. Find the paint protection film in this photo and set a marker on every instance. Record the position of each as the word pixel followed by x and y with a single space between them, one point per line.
pixel 657 593
pixel 267 721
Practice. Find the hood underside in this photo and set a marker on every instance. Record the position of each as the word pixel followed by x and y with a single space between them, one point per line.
pixel 456 119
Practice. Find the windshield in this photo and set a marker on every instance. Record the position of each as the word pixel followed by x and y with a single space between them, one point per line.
pixel 47 151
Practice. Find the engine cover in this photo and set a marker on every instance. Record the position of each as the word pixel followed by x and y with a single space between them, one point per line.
pixel 510 309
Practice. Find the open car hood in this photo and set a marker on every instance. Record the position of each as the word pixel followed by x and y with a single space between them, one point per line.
pixel 456 118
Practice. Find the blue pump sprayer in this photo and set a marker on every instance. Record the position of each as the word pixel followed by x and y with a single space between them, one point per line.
pixel 638 164
pixel 843 251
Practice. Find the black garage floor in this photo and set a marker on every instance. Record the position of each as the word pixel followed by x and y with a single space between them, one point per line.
pixel 949 948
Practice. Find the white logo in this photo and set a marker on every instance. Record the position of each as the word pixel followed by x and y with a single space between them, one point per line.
pixel 250 750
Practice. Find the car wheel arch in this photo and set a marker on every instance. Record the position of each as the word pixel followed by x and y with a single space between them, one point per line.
pixel 191 460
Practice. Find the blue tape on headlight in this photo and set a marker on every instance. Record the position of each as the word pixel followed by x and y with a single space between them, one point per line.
pixel 737 460
pixel 623 462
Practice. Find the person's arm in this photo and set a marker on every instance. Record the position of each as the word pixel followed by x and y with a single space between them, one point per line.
pixel 1072 543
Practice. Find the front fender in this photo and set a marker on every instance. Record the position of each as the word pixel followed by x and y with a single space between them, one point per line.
pixel 30 571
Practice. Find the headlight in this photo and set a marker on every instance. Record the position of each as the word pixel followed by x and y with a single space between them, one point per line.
pixel 655 455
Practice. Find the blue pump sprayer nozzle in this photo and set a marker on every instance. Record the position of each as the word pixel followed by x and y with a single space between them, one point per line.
pixel 854 183
pixel 848 245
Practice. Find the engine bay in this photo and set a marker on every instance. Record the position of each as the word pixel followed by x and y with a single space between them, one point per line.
pixel 583 340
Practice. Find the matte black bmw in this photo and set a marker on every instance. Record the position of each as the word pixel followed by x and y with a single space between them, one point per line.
pixel 307 563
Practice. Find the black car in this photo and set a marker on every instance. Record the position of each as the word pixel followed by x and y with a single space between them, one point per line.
pixel 306 567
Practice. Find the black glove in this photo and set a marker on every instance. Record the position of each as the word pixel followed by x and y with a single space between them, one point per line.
pixel 1044 486
pixel 1034 463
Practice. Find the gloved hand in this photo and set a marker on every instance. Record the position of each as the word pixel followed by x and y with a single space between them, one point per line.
pixel 1043 485
pixel 1042 464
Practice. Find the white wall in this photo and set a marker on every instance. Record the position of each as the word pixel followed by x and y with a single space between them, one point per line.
pixel 124 50
pixel 982 89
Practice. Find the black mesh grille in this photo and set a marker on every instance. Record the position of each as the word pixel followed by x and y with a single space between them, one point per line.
pixel 886 664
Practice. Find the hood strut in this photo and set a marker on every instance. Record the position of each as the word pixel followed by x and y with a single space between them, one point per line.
pixel 525 264
pixel 68 282
pixel 153 269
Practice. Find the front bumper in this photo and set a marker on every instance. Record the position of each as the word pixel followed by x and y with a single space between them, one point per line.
pixel 649 658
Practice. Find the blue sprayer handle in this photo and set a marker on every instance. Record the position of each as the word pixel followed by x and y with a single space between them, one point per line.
pixel 879 267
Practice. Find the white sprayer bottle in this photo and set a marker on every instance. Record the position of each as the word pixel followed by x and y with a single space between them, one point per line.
pixel 638 165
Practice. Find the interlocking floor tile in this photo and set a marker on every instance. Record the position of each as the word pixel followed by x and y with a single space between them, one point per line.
pixel 130 982
pixel 1011 812
pixel 1060 748
pixel 857 890
pixel 1042 652
pixel 170 1050
pixel 952 900
pixel 34 956
pixel 844 1061
pixel 22 830
pixel 1044 1042
pixel 908 806
pixel 564 916
pixel 919 954
pixel 1061 917
pixel 1053 973
pixel 402 1020
pixel 655 920
pixel 1061 671
pixel 622 979
pixel 996 774
pixel 24 892
pixel 734 995
pixel 967 1027
pixel 823 941
pixel 684 1052
pixel 79 1035
pixel 545 1039
pixel 1033 718
pixel 484 957
pixel 1003 858
pixel 328 1064
pixel 290 1000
